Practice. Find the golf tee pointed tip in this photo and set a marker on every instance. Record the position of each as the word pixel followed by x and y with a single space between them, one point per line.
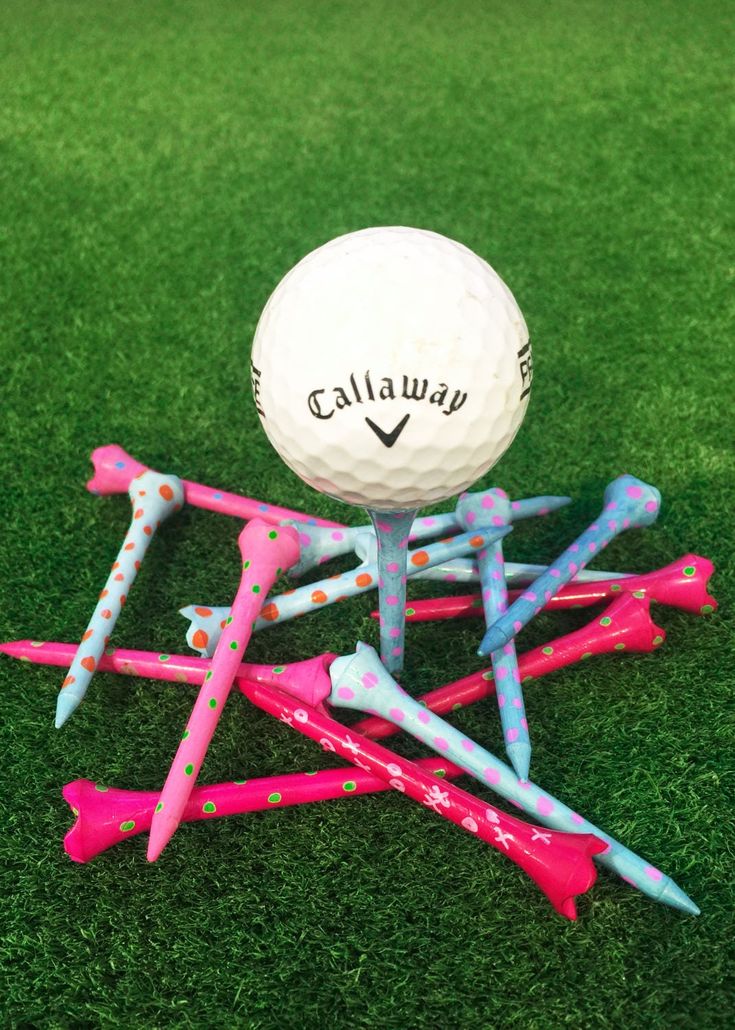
pixel 66 704
pixel 162 830
pixel 493 640
pixel 519 756
pixel 674 897
pixel 14 648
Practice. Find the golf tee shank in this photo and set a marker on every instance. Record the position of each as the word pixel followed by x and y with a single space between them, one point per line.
pixel 154 497
pixel 560 864
pixel 392 529
pixel 628 503
pixel 360 682
pixel 486 509
pixel 625 625
pixel 265 552
pixel 105 816
pixel 682 584
pixel 114 468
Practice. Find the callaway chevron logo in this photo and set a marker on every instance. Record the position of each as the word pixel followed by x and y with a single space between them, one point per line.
pixel 361 388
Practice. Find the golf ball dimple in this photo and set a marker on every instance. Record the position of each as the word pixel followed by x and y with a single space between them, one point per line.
pixel 391 368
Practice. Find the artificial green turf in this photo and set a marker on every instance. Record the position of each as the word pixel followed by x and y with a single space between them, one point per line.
pixel 162 166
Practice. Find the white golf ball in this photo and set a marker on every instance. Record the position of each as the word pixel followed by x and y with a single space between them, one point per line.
pixel 391 368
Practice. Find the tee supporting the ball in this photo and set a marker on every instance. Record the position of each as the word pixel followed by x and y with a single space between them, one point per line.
pixel 319 544
pixel 392 530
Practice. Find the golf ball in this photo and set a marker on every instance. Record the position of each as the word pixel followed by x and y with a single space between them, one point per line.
pixel 391 368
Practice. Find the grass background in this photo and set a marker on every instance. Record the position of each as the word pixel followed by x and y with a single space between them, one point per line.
pixel 162 166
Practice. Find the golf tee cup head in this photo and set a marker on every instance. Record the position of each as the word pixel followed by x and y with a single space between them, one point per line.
pixel 486 508
pixel 391 368
pixel 114 469
pixel 630 499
